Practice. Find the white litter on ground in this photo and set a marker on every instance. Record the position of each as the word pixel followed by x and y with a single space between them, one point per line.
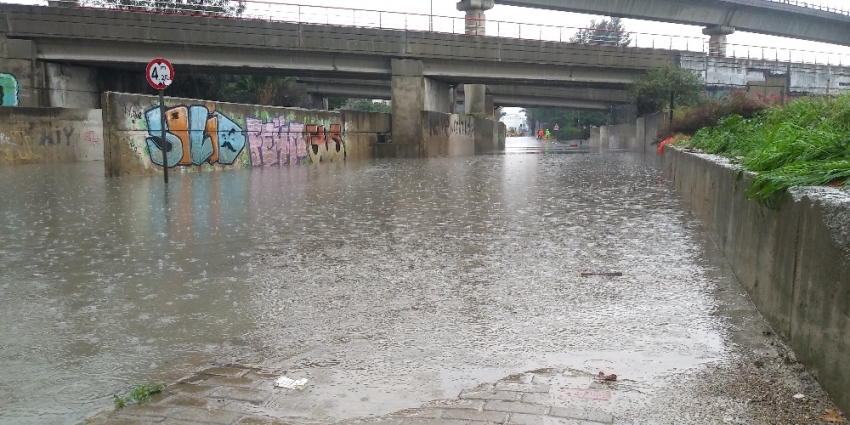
pixel 289 383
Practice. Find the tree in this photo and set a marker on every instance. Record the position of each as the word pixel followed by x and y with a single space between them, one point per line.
pixel 199 7
pixel 607 32
pixel 366 105
pixel 652 91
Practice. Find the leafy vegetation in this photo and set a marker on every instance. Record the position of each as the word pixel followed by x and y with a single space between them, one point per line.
pixel 652 90
pixel 690 119
pixel 803 143
pixel 140 395
pixel 366 105
pixel 610 32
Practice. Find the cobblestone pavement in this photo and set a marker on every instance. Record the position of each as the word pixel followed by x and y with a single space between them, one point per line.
pixel 761 391
pixel 241 395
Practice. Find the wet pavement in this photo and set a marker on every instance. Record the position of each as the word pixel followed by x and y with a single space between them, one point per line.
pixel 404 290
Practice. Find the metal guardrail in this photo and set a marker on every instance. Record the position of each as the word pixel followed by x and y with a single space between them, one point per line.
pixel 266 10
pixel 810 5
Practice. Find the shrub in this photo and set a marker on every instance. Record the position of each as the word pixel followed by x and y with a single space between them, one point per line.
pixel 689 120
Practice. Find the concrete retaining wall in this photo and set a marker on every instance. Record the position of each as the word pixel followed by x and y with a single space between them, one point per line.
pixel 460 135
pixel 792 261
pixel 449 134
pixel 50 135
pixel 204 135
pixel 634 137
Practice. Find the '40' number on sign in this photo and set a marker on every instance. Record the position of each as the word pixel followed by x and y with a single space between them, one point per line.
pixel 161 74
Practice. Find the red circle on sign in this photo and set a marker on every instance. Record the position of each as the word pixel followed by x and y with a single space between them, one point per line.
pixel 159 73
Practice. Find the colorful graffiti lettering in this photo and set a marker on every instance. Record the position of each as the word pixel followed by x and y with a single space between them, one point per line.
pixel 279 142
pixel 326 147
pixel 8 90
pixel 194 135
pixel 275 142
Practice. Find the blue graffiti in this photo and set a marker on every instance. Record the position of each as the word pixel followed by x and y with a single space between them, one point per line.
pixel 8 90
pixel 194 135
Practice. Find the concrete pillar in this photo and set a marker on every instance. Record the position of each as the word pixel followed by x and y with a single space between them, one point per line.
pixel 717 42
pixel 474 102
pixel 604 139
pixel 489 107
pixel 317 102
pixel 413 93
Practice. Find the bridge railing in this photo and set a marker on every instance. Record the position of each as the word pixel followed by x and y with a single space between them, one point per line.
pixel 268 10
pixel 816 6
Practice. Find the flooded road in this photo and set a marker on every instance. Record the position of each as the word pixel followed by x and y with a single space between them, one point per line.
pixel 387 283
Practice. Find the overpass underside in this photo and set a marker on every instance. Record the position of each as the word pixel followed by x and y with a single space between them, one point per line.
pixel 758 16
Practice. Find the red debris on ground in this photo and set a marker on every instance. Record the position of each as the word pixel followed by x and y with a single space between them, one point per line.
pixel 603 377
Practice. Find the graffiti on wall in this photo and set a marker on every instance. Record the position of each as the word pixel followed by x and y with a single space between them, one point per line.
pixel 194 135
pixel 8 90
pixel 279 141
pixel 770 95
pixel 447 124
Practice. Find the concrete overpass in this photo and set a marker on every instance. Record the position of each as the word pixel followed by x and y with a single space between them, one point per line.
pixel 130 39
pixel 503 95
pixel 720 17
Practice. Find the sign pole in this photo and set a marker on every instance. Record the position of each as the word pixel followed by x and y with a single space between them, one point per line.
pixel 160 75
pixel 163 141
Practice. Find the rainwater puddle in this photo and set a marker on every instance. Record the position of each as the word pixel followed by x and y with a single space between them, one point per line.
pixel 387 283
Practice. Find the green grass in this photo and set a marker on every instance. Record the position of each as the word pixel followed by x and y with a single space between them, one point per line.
pixel 139 395
pixel 803 143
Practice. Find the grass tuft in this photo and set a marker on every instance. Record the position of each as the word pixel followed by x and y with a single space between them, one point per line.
pixel 140 395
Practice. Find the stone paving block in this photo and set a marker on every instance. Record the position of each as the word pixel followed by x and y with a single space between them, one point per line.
pixel 116 421
pixel 194 389
pixel 243 394
pixel 226 381
pixel 523 419
pixel 523 388
pixel 231 372
pixel 434 422
pixel 428 412
pixel 474 415
pixel 184 400
pixel 541 398
pixel 491 395
pixel 459 404
pixel 207 416
pixel 146 412
pixel 582 414
pixel 516 407
pixel 262 421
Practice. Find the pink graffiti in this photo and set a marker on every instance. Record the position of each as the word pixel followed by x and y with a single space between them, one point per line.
pixel 91 138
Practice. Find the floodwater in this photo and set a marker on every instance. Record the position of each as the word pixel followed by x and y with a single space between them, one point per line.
pixel 387 283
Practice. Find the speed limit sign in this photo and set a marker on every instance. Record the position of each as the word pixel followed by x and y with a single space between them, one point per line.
pixel 160 73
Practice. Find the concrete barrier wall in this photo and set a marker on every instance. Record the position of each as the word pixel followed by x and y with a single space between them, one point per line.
pixel 635 137
pixel 792 261
pixel 450 134
pixel 50 135
pixel 203 135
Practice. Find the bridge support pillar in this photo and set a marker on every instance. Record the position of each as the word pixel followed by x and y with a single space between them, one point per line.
pixel 413 93
pixel 717 42
pixel 474 102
